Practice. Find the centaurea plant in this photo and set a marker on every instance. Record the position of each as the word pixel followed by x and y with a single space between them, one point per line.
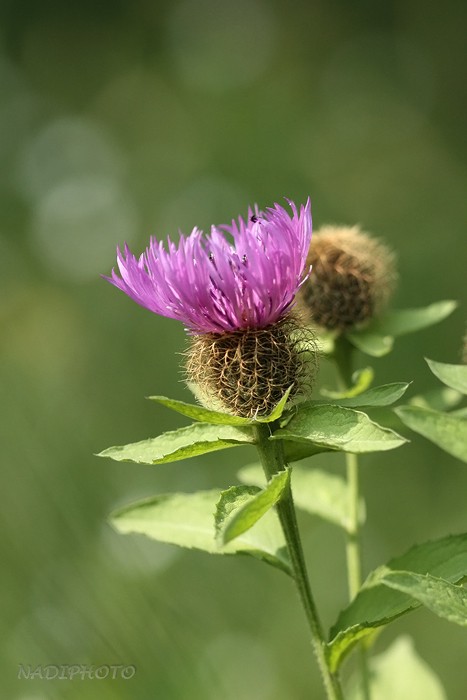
pixel 247 297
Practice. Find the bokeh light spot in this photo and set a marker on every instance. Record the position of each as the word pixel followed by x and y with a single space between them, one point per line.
pixel 64 148
pixel 77 224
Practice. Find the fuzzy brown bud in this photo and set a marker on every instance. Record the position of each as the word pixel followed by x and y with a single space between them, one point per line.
pixel 246 372
pixel 353 276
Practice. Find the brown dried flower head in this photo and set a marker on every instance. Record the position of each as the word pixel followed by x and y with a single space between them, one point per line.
pixel 353 276
pixel 246 372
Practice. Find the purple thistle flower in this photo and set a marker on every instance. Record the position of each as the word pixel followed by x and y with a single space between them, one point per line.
pixel 238 277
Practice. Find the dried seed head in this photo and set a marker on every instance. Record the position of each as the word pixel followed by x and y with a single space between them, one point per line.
pixel 247 372
pixel 352 278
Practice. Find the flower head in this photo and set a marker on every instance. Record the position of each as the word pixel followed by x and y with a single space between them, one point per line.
pixel 352 281
pixel 247 372
pixel 239 277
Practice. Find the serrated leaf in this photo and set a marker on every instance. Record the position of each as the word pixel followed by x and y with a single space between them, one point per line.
pixel 445 430
pixel 399 674
pixel 314 491
pixel 240 507
pixel 454 376
pixel 187 520
pixel 199 413
pixel 371 342
pixel 230 501
pixel 441 597
pixel 336 428
pixel 403 321
pixel 377 605
pixel 193 440
pixel 361 380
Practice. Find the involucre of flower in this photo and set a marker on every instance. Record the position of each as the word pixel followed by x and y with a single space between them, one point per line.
pixel 353 276
pixel 247 372
pixel 234 290
pixel 238 277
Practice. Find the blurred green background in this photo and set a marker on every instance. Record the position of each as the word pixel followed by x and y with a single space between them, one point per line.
pixel 120 120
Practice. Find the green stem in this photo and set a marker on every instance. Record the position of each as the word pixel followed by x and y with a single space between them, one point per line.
pixel 354 560
pixel 354 564
pixel 343 351
pixel 343 360
pixel 272 460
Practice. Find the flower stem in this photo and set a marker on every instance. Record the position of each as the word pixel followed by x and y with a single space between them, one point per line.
pixel 343 360
pixel 272 460
pixel 343 351
pixel 354 561
pixel 354 565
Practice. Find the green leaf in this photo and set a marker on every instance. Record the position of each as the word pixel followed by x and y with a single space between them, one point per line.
pixel 230 502
pixel 377 338
pixel 361 380
pixel 371 342
pixel 442 398
pixel 314 491
pixel 376 605
pixel 336 428
pixel 240 507
pixel 207 415
pixel 187 520
pixel 400 322
pixel 399 674
pixel 447 431
pixel 324 495
pixel 253 475
pixel 441 597
pixel 384 395
pixel 193 440
pixel 199 413
pixel 277 411
pixel 325 341
pixel 295 451
pixel 454 376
